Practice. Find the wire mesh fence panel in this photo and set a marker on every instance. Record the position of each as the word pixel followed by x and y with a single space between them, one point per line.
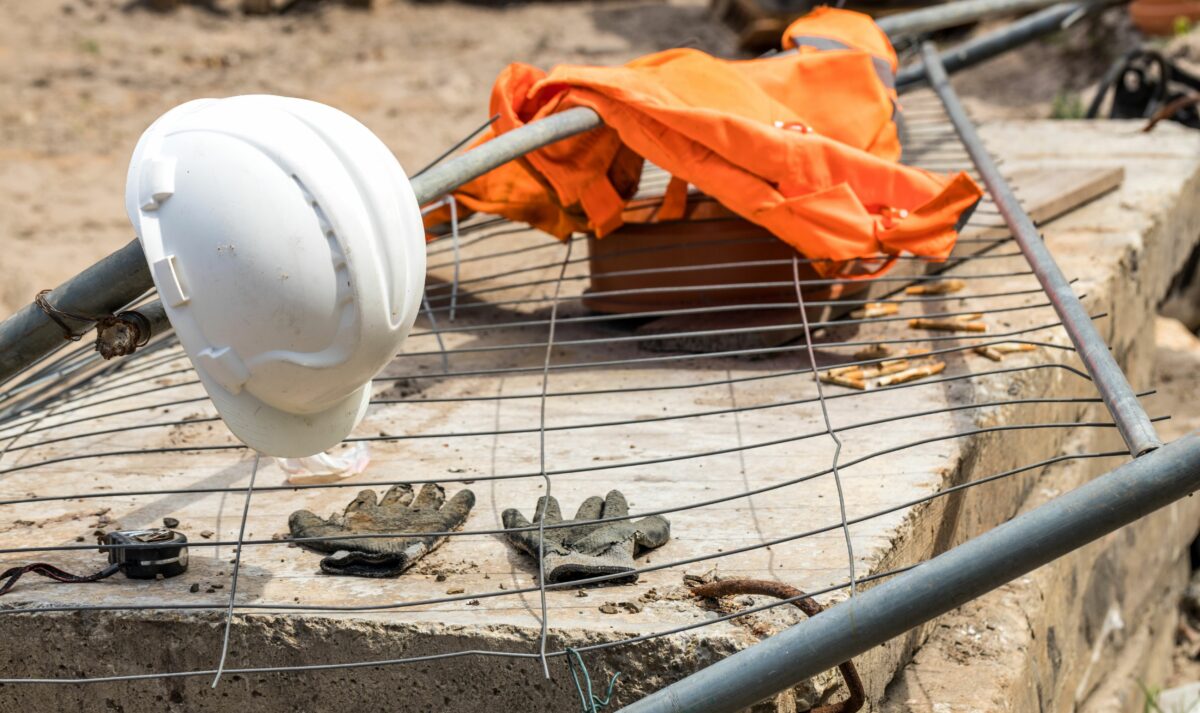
pixel 792 426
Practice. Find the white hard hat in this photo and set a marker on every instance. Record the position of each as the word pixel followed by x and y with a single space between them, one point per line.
pixel 288 249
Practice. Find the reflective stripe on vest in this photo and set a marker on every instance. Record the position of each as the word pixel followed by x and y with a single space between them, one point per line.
pixel 882 67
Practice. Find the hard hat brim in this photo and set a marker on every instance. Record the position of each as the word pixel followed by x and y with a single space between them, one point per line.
pixel 282 434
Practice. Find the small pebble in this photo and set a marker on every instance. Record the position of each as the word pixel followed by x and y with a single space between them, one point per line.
pixel 455 590
pixel 218 586
pixel 473 603
pixel 581 593
pixel 194 588
pixel 440 578
pixel 608 608
pixel 206 534
pixel 170 523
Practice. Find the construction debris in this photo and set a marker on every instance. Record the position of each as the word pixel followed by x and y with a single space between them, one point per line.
pixel 857 376
pixel 941 287
pixel 962 323
pixel 856 694
pixel 875 351
pixel 913 374
pixel 852 382
pixel 996 352
pixel 876 309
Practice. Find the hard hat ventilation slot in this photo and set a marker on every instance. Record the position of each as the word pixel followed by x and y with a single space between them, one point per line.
pixel 335 248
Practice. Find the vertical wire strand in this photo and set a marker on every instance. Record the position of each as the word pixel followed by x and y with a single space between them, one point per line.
pixel 542 460
pixel 437 333
pixel 237 566
pixel 453 203
pixel 837 451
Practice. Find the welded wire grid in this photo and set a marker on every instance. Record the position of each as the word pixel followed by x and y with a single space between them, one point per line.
pixel 708 413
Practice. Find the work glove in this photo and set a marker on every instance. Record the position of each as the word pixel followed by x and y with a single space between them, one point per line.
pixel 579 551
pixel 398 512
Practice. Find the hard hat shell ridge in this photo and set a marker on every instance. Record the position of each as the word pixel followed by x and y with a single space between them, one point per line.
pixel 287 248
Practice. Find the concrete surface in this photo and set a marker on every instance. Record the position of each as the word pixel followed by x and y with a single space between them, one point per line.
pixel 1087 631
pixel 1135 233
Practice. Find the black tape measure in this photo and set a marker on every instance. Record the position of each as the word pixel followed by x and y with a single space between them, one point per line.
pixel 159 551
pixel 140 554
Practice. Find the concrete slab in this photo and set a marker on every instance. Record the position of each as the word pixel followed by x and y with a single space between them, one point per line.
pixel 1087 631
pixel 660 464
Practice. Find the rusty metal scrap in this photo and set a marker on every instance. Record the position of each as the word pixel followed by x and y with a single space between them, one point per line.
pixel 856 694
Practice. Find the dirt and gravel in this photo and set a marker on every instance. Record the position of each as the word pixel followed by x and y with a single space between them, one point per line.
pixel 81 79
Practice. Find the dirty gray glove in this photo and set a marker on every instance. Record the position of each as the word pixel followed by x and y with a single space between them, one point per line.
pixel 588 550
pixel 397 512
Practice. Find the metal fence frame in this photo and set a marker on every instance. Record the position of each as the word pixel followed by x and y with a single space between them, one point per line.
pixel 1158 475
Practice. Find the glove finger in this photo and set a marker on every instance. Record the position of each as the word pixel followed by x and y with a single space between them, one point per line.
pixel 365 502
pixel 526 540
pixel 590 509
pixel 512 517
pixel 615 504
pixel 548 507
pixel 318 534
pixel 303 523
pixel 400 494
pixel 653 531
pixel 432 495
pixel 456 510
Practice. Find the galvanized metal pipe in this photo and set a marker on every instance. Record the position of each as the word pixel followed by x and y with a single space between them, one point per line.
pixel 443 178
pixel 117 280
pixel 951 14
pixel 114 282
pixel 933 588
pixel 106 287
pixel 1118 395
pixel 984 47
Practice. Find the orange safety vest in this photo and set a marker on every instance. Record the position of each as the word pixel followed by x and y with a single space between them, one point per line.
pixel 802 143
pixel 827 29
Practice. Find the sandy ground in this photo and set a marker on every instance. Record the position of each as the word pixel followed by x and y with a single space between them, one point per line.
pixel 81 79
